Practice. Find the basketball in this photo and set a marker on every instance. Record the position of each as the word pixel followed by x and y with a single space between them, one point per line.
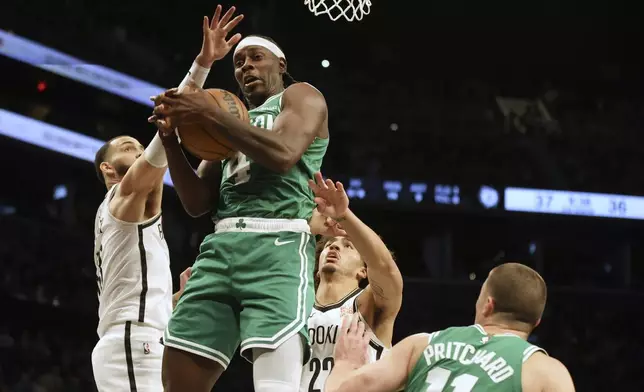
pixel 202 144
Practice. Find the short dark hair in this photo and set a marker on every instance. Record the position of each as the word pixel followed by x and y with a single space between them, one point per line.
pixel 287 79
pixel 100 157
pixel 519 292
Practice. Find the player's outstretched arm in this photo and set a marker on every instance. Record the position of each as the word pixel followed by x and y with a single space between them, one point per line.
pixel 385 280
pixel 303 113
pixel 146 174
pixel 197 190
pixel 542 373
pixel 385 375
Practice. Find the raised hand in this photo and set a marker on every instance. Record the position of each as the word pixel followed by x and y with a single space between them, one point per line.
pixel 321 225
pixel 215 46
pixel 330 197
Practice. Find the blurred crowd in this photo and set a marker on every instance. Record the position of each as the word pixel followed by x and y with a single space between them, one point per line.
pixel 44 280
pixel 39 360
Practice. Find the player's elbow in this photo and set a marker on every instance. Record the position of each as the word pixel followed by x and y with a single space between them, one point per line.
pixel 397 279
pixel 284 163
pixel 136 188
pixel 366 382
pixel 388 269
pixel 362 382
pixel 195 211
pixel 196 207
pixel 285 167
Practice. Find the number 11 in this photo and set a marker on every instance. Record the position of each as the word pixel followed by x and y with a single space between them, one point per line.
pixel 438 377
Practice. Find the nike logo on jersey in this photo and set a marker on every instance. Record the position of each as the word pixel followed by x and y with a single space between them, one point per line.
pixel 280 243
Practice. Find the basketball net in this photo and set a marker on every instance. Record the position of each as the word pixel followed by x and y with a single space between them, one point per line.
pixel 349 9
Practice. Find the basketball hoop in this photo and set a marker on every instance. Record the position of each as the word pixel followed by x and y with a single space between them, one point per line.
pixel 349 9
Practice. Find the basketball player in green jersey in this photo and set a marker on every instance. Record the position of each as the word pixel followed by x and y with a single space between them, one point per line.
pixel 491 355
pixel 252 283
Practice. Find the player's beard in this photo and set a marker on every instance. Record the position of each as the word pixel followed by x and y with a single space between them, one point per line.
pixel 329 268
pixel 121 169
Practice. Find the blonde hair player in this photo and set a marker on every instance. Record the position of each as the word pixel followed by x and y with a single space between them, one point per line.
pixel 132 260
pixel 252 283
pixel 357 275
pixel 491 355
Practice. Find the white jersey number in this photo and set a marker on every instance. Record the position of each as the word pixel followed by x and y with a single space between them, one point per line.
pixel 238 169
pixel 265 122
pixel 316 366
pixel 437 379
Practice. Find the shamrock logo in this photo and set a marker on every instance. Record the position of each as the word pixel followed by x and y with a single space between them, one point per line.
pixel 240 225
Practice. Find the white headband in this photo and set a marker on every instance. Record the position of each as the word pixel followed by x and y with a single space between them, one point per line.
pixel 259 41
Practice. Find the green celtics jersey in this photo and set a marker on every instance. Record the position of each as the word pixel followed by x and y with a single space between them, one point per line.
pixel 466 359
pixel 251 190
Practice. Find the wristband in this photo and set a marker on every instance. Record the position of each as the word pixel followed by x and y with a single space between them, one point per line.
pixel 155 153
pixel 197 75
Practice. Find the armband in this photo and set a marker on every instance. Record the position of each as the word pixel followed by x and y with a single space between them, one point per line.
pixel 155 153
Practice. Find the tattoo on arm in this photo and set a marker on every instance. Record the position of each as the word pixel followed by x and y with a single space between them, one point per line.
pixel 378 290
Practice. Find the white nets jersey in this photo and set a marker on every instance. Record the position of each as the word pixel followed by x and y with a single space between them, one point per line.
pixel 132 270
pixel 324 324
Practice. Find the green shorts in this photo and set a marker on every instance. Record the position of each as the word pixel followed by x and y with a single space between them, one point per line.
pixel 252 284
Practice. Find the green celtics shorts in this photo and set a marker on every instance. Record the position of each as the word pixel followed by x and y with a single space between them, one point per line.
pixel 252 284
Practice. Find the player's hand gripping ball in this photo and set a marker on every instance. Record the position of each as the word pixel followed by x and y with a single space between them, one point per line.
pixel 185 112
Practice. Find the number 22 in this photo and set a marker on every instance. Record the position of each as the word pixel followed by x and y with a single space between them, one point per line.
pixel 437 379
pixel 316 366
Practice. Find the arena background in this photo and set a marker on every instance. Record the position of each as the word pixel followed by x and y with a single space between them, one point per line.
pixel 451 123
